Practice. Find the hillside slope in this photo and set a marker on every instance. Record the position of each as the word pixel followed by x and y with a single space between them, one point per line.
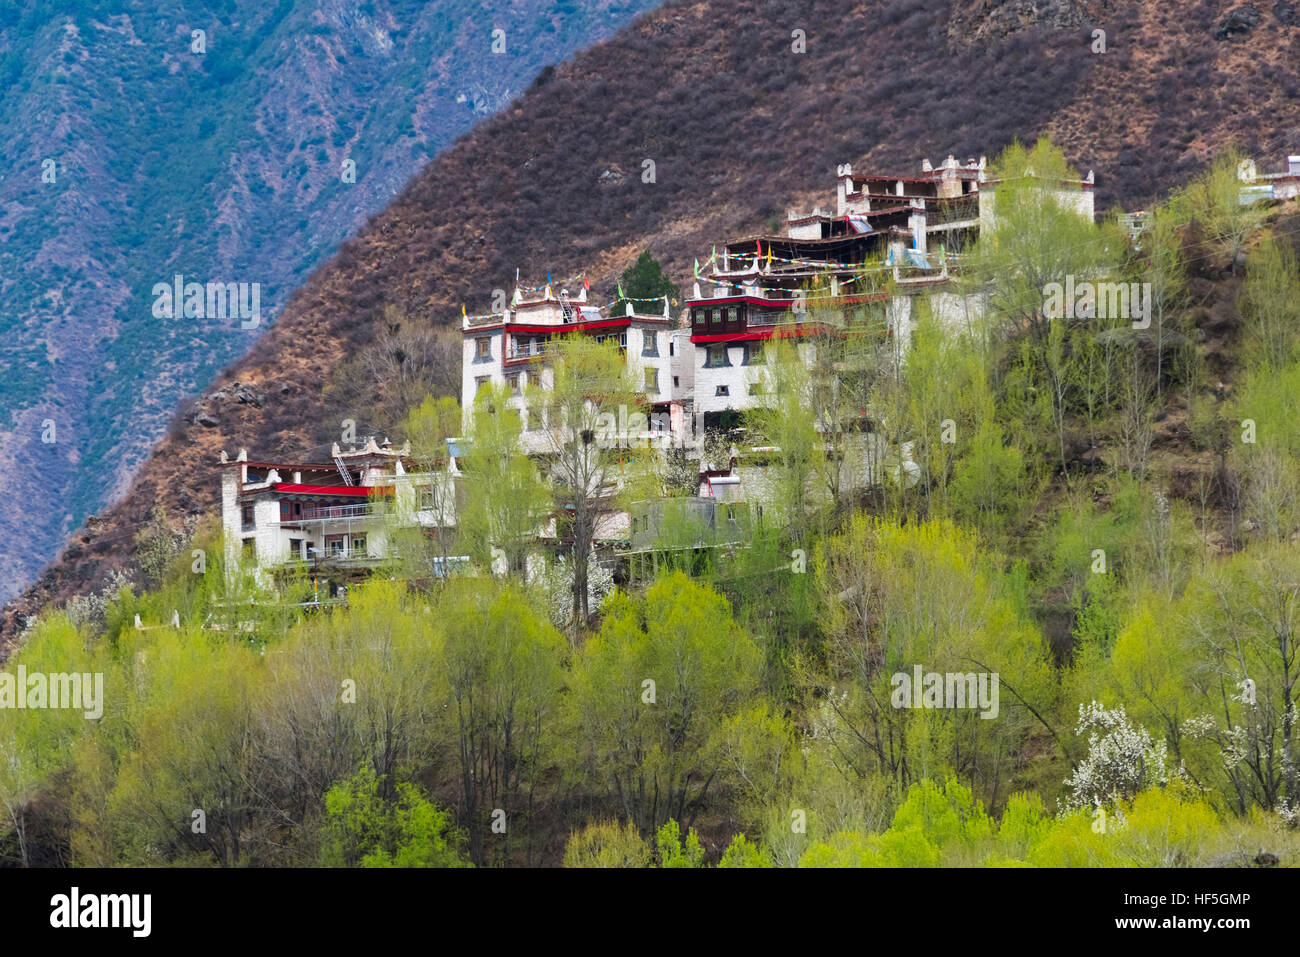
pixel 739 127
pixel 148 139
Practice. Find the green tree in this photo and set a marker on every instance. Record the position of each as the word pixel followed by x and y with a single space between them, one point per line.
pixel 672 852
pixel 591 384
pixel 504 668
pixel 363 829
pixel 1271 307
pixel 1241 621
pixel 988 488
pixel 1213 203
pixel 507 500
pixel 651 692
pixel 428 426
pixel 787 420
pixel 742 852
pixel 898 598
pixel 1166 271
pixel 196 724
pixel 607 844
pixel 1033 237
pixel 644 280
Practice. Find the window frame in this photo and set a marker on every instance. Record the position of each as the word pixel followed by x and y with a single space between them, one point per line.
pixel 723 363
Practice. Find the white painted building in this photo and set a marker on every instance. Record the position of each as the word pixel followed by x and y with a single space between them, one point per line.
pixel 328 516
pixel 510 349
pixel 1281 185
pixel 910 229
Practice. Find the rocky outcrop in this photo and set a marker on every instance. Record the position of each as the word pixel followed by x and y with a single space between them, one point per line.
pixel 994 19
pixel 1237 22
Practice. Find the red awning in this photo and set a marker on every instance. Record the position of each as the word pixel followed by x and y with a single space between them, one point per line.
pixel 352 491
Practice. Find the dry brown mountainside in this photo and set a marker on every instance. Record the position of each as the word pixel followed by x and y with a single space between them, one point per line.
pixel 740 127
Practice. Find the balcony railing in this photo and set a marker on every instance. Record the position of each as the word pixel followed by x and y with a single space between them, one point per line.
pixel 526 351
pixel 330 512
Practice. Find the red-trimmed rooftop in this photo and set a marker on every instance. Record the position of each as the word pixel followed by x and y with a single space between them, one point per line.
pixel 351 491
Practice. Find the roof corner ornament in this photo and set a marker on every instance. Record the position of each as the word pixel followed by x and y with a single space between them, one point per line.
pixel 224 458
pixel 242 456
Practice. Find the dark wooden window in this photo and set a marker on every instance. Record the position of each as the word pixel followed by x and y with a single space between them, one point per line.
pixel 716 357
